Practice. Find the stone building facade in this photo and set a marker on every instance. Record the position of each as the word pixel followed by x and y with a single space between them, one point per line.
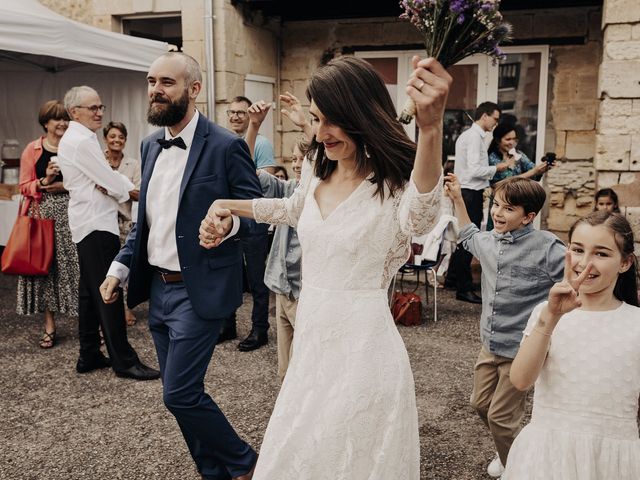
pixel 593 93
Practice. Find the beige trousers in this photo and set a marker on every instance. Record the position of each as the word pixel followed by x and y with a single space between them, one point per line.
pixel 498 403
pixel 285 323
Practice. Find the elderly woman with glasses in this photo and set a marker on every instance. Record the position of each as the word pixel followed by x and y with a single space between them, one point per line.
pixel 42 188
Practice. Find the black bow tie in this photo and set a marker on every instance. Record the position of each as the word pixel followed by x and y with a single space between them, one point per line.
pixel 174 142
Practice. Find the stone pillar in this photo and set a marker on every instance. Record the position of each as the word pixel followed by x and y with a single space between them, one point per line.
pixel 617 156
pixel 572 112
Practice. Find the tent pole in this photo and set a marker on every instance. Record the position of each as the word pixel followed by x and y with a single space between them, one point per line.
pixel 209 59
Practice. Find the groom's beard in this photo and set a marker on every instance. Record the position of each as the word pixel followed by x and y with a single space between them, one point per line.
pixel 165 113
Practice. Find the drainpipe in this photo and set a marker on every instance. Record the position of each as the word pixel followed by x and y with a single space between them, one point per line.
pixel 209 59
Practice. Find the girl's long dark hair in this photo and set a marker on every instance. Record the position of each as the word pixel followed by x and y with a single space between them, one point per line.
pixel 352 96
pixel 626 288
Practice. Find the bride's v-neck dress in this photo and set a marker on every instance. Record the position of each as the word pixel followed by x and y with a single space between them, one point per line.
pixel 347 406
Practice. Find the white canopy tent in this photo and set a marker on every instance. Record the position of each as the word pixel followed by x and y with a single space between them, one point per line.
pixel 43 54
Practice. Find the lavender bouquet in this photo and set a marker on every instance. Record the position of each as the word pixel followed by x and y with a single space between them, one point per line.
pixel 456 29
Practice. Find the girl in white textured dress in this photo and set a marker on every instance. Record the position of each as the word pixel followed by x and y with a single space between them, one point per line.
pixel 582 350
pixel 347 406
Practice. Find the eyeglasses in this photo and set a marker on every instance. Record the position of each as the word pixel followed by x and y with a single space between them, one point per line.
pixel 94 108
pixel 239 113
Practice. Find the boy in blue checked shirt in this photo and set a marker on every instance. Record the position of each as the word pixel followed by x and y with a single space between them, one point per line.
pixel 519 267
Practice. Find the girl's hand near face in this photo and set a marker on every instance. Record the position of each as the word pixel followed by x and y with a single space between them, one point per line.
pixel 564 296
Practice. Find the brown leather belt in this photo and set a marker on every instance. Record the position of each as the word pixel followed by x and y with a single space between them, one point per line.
pixel 170 277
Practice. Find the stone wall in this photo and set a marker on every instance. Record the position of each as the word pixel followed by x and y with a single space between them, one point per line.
pixel 617 157
pixel 572 93
pixel 305 44
pixel 78 10
pixel 575 40
pixel 243 43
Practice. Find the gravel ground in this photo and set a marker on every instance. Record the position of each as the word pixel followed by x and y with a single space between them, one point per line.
pixel 56 424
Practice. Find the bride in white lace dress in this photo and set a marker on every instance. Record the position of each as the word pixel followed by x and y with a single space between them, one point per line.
pixel 347 406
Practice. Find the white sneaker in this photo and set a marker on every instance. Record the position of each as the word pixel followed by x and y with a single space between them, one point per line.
pixel 495 468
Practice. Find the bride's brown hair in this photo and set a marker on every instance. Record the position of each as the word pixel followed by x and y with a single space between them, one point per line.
pixel 353 96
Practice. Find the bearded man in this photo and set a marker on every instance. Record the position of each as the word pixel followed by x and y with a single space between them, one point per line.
pixel 185 166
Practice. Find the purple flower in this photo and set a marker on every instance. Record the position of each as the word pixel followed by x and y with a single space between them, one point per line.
pixel 458 6
pixel 460 19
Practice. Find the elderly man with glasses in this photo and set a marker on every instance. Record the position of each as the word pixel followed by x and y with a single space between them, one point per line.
pixel 94 193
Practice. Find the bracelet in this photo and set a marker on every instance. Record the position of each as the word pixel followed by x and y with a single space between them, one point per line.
pixel 41 182
pixel 535 329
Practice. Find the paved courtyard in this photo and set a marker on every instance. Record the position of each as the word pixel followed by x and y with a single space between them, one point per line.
pixel 58 425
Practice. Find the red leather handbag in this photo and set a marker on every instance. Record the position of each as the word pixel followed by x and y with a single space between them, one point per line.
pixel 406 308
pixel 29 250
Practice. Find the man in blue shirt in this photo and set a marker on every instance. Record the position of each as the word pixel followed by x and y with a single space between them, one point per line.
pixel 238 116
pixel 255 247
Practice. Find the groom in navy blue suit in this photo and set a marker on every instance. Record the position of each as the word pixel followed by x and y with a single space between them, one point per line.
pixel 185 167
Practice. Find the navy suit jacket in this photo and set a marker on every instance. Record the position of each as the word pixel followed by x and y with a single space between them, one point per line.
pixel 219 166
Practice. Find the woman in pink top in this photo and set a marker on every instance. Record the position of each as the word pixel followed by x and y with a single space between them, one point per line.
pixel 42 187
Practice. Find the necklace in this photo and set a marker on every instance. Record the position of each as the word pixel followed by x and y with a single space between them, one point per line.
pixel 48 146
pixel 115 164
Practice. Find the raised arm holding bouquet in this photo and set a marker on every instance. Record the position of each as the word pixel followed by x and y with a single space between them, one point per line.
pixel 454 30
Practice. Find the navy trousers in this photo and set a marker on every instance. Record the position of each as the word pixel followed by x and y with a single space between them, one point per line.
pixel 184 344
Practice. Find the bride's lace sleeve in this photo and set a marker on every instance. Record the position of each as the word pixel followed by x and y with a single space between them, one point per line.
pixel 284 210
pixel 419 212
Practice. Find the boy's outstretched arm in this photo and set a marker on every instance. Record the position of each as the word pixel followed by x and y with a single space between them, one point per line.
pixel 453 191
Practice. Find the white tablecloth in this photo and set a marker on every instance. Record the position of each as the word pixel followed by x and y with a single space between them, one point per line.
pixel 8 214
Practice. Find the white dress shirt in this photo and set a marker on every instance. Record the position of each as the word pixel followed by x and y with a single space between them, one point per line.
pixel 472 160
pixel 163 195
pixel 83 166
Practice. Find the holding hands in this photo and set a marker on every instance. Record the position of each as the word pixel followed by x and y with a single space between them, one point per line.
pixel 215 226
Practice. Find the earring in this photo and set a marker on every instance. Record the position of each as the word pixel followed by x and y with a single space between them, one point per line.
pixel 366 152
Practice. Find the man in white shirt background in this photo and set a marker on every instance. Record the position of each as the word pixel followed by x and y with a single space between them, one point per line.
pixel 474 172
pixel 94 193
